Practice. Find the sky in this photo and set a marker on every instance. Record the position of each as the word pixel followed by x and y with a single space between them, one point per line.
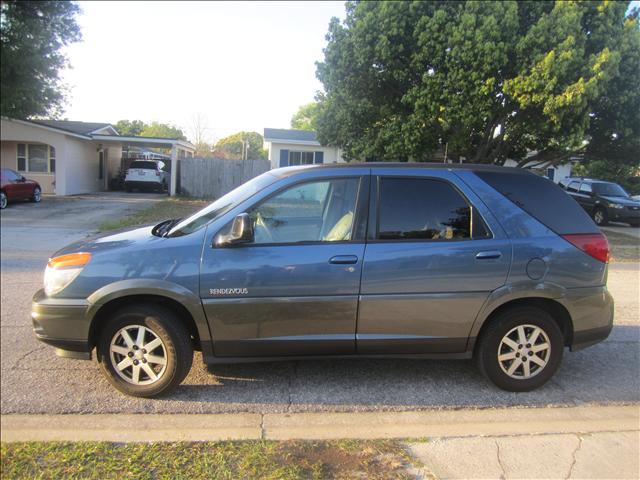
pixel 239 65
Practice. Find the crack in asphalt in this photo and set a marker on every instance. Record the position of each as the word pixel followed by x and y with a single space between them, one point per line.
pixel 504 473
pixel 575 453
pixel 290 384
pixel 25 355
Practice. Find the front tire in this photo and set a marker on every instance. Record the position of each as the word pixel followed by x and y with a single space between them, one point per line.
pixel 3 200
pixel 600 217
pixel 36 196
pixel 521 350
pixel 145 351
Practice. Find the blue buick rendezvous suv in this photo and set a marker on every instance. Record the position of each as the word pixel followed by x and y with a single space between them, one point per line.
pixel 359 260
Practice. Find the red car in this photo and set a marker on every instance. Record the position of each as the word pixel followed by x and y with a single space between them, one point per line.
pixel 14 186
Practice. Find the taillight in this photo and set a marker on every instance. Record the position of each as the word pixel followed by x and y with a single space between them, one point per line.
pixel 593 244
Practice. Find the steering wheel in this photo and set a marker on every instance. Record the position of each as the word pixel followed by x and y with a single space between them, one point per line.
pixel 260 223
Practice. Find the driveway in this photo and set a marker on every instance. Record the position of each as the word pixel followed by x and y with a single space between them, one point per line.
pixel 633 232
pixel 34 380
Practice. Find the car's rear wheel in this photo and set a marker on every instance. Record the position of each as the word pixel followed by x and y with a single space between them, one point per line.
pixel 36 196
pixel 600 216
pixel 3 200
pixel 521 350
pixel 145 351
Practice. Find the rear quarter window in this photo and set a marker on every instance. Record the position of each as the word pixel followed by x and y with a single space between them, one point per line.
pixel 542 199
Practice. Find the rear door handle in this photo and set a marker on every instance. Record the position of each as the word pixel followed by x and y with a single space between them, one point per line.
pixel 488 255
pixel 343 260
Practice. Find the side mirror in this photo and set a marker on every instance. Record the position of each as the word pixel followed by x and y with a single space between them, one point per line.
pixel 22 179
pixel 241 232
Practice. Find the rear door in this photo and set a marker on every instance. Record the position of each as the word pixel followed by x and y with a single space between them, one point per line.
pixel 294 289
pixel 585 196
pixel 573 189
pixel 434 253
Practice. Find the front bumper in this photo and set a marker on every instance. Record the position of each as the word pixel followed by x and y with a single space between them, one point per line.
pixel 62 323
pixel 626 215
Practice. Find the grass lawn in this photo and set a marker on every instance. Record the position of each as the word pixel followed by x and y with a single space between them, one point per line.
pixel 170 208
pixel 258 459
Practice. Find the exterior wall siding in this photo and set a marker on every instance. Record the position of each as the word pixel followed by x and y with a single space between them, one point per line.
pixel 331 154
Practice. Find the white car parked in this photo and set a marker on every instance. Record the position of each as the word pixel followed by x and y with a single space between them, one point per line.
pixel 146 175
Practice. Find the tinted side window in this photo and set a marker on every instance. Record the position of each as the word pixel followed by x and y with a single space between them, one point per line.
pixel 425 209
pixel 573 187
pixel 585 188
pixel 542 199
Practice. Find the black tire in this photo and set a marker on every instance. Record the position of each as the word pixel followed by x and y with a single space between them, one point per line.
pixel 490 343
pixel 127 188
pixel 36 196
pixel 3 200
pixel 600 216
pixel 177 349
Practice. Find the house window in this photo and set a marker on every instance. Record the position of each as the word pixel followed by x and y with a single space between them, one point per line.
pixel 36 158
pixel 300 158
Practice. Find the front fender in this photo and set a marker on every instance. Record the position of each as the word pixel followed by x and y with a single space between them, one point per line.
pixel 161 288
pixel 508 293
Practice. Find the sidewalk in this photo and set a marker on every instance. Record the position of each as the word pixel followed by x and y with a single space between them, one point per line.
pixel 571 442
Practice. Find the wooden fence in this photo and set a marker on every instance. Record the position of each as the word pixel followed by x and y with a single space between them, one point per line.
pixel 213 177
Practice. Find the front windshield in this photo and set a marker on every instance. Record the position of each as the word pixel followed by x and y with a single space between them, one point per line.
pixel 609 190
pixel 222 205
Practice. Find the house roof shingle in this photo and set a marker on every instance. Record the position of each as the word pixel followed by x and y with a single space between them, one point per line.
pixel 80 128
pixel 294 135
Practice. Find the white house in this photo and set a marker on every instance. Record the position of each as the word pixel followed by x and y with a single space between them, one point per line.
pixel 67 157
pixel 297 147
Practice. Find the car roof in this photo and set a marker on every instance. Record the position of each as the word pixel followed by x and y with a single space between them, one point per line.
pixel 587 180
pixel 287 171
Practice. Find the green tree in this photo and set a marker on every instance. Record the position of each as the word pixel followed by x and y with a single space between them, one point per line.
pixel 232 148
pixel 162 130
pixel 306 116
pixel 130 127
pixel 488 80
pixel 32 35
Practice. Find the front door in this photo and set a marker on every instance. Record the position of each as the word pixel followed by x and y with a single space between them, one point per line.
pixel 294 289
pixel 430 264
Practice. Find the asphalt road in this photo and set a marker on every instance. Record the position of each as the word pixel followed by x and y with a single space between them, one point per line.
pixel 34 380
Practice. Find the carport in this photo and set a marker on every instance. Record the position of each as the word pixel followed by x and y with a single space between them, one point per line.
pixel 179 149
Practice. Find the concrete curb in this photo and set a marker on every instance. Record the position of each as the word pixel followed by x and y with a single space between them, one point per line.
pixel 366 425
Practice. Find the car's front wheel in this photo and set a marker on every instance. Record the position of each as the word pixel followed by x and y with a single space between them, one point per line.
pixel 600 216
pixel 145 351
pixel 521 350
pixel 36 196
pixel 3 200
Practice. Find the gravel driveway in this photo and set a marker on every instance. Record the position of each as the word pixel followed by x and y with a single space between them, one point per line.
pixel 34 380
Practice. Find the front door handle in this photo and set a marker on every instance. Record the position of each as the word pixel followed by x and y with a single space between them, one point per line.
pixel 343 260
pixel 488 255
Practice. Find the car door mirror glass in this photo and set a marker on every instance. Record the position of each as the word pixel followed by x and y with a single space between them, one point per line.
pixel 240 231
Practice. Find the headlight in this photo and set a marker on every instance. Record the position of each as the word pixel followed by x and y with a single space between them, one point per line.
pixel 61 271
pixel 615 205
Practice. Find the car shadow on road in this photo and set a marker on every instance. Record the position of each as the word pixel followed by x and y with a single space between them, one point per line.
pixel 604 373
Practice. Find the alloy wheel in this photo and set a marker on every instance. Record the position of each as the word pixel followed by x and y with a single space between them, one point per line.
pixel 3 200
pixel 36 194
pixel 138 355
pixel 524 351
pixel 598 217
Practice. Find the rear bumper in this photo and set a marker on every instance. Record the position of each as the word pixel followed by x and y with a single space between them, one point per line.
pixel 143 184
pixel 62 323
pixel 591 311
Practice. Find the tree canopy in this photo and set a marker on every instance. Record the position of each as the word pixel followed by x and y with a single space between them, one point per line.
pixel 490 80
pixel 162 130
pixel 130 127
pixel 306 116
pixel 231 147
pixel 32 35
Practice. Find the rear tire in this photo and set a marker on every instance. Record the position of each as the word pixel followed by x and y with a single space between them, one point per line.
pixel 512 353
pixel 600 217
pixel 3 200
pixel 145 372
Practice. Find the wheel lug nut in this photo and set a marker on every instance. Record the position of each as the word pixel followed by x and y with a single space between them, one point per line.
pixel 130 354
pixel 135 362
pixel 524 359
pixel 530 354
pixel 135 347
pixel 517 354
pixel 144 351
pixel 144 360
pixel 519 346
pixel 528 345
